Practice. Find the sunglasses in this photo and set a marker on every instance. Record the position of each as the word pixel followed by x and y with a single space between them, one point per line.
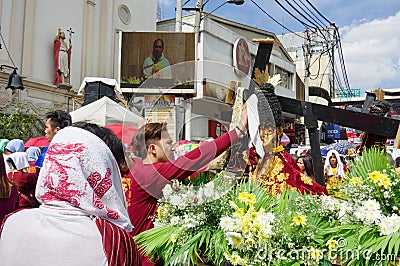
pixel 157 46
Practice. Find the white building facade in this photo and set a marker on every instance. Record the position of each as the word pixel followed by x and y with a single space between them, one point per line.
pixel 28 28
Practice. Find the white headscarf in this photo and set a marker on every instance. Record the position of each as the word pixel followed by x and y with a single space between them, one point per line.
pixel 80 171
pixel 339 167
pixel 33 153
pixel 15 145
pixel 20 160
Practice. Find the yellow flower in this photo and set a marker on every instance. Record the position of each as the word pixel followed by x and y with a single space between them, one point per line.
pixel 173 238
pixel 233 204
pixel 356 181
pixel 375 176
pixel 162 211
pixel 235 259
pixel 250 242
pixel 235 239
pixel 385 182
pixel 300 220
pixel 315 254
pixel 247 198
pixel 331 243
pixel 239 212
pixel 253 215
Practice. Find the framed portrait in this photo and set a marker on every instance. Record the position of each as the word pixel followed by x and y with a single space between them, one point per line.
pixel 156 59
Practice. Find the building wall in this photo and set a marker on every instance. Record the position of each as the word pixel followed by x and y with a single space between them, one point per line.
pixel 29 28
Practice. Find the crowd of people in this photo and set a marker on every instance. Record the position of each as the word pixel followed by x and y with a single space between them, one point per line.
pixel 82 199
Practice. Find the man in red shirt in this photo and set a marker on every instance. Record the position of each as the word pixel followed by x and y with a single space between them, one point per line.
pixel 153 144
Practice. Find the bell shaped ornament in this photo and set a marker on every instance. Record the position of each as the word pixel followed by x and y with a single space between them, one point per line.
pixel 15 81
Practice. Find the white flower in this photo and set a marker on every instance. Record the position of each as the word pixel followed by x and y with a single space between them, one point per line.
pixel 189 222
pixel 344 209
pixel 389 225
pixel 227 223
pixel 329 203
pixel 209 189
pixel 372 204
pixel 234 239
pixel 167 191
pixel 373 216
pixel 175 200
pixel 269 216
pixel 386 194
pixel 175 220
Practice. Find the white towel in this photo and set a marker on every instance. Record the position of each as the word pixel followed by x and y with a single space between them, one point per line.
pixel 253 124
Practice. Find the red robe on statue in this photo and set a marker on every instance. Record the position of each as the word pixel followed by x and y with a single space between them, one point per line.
pixel 284 173
pixel 57 45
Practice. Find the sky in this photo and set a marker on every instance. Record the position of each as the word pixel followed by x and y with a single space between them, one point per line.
pixel 369 31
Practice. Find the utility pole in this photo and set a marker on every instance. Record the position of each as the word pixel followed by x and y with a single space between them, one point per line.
pixel 178 14
pixel 199 71
pixel 331 48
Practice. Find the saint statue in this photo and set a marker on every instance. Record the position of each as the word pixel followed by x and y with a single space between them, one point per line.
pixel 62 56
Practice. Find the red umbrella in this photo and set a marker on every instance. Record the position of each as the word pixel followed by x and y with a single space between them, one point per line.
pixel 37 142
pixel 124 133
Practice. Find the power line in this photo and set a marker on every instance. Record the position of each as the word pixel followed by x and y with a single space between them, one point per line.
pixel 266 13
pixel 317 11
pixel 321 24
pixel 287 11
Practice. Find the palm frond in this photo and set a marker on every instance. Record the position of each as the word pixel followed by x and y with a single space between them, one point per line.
pixel 371 160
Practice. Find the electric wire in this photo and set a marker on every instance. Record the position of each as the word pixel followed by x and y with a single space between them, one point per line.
pixel 321 24
pixel 318 11
pixel 184 4
pixel 215 9
pixel 280 24
pixel 296 18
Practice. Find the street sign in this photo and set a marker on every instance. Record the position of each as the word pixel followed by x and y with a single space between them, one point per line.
pixel 333 132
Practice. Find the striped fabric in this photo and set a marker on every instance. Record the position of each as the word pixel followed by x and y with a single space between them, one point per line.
pixel 118 245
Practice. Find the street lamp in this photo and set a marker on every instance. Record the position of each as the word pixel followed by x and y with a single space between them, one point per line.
pixel 236 2
pixel 14 80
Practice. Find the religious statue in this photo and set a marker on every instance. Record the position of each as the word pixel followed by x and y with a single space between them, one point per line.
pixel 281 171
pixel 62 56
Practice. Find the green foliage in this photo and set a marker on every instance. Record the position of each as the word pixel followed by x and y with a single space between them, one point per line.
pixel 20 124
pixel 371 160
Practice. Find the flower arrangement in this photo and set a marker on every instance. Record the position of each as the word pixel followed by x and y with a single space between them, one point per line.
pixel 222 223
pixel 186 224
pixel 367 212
pixel 226 223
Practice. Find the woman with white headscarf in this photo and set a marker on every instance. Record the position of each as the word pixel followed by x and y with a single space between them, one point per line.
pixel 333 170
pixel 82 218
pixel 26 182
pixel 14 145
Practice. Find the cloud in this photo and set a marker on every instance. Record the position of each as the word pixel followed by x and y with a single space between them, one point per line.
pixel 371 53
